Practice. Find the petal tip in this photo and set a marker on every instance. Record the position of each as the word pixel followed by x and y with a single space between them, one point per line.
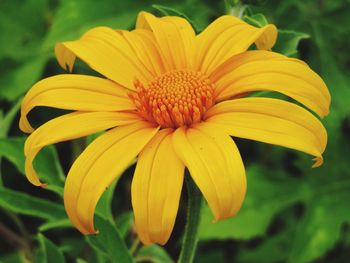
pixel 65 57
pixel 87 231
pixel 25 126
pixel 318 161
pixel 268 37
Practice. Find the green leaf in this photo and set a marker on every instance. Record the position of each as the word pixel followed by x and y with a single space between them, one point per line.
pixel 26 47
pixel 153 253
pixel 92 137
pixel 326 199
pixel 16 257
pixel 12 150
pixel 210 256
pixel 262 202
pixel 258 20
pixel 276 247
pixel 23 25
pixel 15 80
pixel 332 72
pixel 25 204
pixel 288 41
pixel 124 223
pixel 6 121
pixel 62 223
pixel 46 163
pixel 324 193
pixel 75 17
pixel 5 125
pixel 104 204
pixel 74 246
pixel 109 241
pixel 200 12
pixel 50 251
pixel 168 11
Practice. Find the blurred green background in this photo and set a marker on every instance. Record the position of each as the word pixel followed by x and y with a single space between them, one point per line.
pixel 292 213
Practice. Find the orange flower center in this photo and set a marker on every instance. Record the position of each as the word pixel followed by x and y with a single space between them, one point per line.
pixel 177 98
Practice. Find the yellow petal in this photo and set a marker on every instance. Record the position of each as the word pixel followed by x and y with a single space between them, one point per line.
pixel 174 36
pixel 107 52
pixel 74 92
pixel 145 47
pixel 156 189
pixel 271 121
pixel 187 35
pixel 183 25
pixel 246 57
pixel 226 37
pixel 68 127
pixel 263 70
pixel 215 165
pixel 96 168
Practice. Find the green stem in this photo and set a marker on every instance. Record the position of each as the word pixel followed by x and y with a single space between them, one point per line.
pixel 235 8
pixel 134 246
pixel 190 239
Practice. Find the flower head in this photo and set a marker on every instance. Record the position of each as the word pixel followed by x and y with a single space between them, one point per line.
pixel 173 98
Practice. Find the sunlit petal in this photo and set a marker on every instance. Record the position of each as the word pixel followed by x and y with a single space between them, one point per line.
pixel 107 52
pixel 74 92
pixel 174 36
pixel 215 165
pixel 263 70
pixel 156 189
pixel 68 127
pixel 96 168
pixel 271 121
pixel 145 47
pixel 226 37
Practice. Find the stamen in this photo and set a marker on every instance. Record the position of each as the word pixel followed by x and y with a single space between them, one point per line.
pixel 175 99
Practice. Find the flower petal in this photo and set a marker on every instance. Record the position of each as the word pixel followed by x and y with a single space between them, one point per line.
pixel 107 52
pixel 156 189
pixel 68 127
pixel 263 70
pixel 215 165
pixel 271 121
pixel 74 92
pixel 95 169
pixel 144 45
pixel 174 36
pixel 226 37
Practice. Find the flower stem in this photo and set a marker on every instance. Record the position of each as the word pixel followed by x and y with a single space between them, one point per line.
pixel 134 246
pixel 190 239
pixel 235 8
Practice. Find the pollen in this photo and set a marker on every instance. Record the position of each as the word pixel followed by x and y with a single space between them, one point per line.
pixel 174 99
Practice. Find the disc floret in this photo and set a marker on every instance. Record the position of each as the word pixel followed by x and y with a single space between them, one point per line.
pixel 175 99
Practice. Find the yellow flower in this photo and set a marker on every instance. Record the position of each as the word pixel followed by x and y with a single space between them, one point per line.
pixel 175 98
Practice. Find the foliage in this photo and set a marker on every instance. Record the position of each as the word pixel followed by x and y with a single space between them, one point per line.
pixel 292 213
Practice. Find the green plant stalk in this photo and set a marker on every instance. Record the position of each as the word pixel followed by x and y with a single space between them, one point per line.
pixel 235 8
pixel 5 125
pixel 190 238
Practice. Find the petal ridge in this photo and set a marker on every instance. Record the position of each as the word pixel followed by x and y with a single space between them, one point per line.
pixel 107 52
pixel 74 92
pixel 84 186
pixel 156 189
pixel 174 37
pixel 68 127
pixel 228 36
pixel 263 70
pixel 289 125
pixel 215 164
